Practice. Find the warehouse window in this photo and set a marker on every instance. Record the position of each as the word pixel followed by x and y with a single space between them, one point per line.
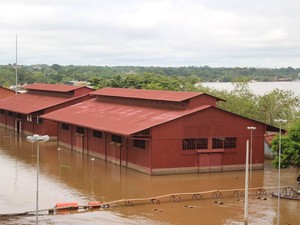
pixel 230 142
pixel 65 126
pixel 218 142
pixel 2 111
pixel 80 130
pixel 189 144
pixel 139 144
pixel 116 138
pixel 97 134
pixel 10 113
pixel 202 143
pixel 194 143
pixel 221 142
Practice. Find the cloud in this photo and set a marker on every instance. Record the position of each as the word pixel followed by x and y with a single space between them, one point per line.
pixel 151 32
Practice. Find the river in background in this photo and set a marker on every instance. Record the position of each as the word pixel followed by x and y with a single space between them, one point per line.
pixel 67 176
pixel 258 88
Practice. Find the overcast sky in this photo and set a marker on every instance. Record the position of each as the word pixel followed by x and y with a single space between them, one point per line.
pixel 217 33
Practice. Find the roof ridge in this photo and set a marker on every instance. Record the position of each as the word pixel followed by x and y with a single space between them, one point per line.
pixel 158 95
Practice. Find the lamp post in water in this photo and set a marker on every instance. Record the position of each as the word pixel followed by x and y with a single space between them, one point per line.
pixel 246 184
pixel 251 141
pixel 280 121
pixel 37 138
pixel 93 159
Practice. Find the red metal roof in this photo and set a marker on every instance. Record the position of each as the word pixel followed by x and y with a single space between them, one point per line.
pixel 116 118
pixel 52 87
pixel 147 94
pixel 27 103
pixel 5 92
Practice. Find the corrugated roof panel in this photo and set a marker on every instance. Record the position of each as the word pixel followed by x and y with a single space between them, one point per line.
pixel 52 87
pixel 27 103
pixel 116 118
pixel 147 94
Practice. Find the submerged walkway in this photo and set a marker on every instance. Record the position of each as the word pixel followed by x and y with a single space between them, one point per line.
pixel 72 207
pixel 212 194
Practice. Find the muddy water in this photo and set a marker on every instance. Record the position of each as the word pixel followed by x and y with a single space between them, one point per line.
pixel 67 176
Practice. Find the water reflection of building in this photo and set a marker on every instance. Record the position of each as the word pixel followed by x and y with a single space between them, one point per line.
pixel 22 112
pixel 158 132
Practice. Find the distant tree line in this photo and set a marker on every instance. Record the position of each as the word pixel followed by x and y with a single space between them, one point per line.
pixel 60 74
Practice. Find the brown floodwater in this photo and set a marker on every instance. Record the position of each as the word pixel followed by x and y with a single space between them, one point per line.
pixel 68 176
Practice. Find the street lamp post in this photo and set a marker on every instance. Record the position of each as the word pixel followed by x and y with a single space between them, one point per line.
pixel 58 149
pixel 246 184
pixel 37 138
pixel 280 121
pixel 93 159
pixel 251 144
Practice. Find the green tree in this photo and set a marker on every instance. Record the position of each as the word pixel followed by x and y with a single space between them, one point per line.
pixel 56 67
pixel 240 100
pixel 98 83
pixel 290 148
pixel 117 82
pixel 278 104
pixel 265 108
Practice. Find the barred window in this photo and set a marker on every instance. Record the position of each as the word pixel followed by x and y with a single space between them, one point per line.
pixel 202 143
pixel 116 138
pixel 230 142
pixel 189 144
pixel 221 142
pixel 194 143
pixel 139 144
pixel 2 111
pixel 10 113
pixel 97 134
pixel 218 142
